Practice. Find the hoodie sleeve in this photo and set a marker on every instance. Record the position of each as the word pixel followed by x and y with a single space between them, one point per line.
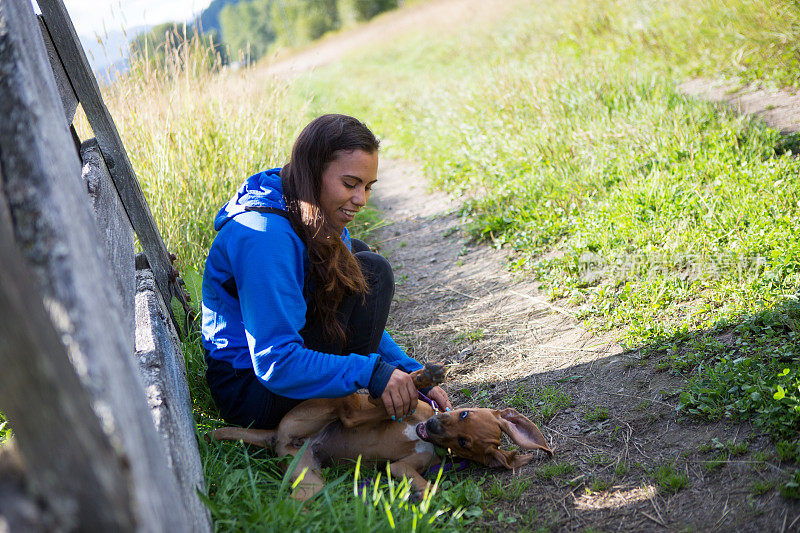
pixel 268 267
pixel 393 354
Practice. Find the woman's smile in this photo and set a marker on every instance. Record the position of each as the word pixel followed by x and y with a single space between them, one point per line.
pixel 346 185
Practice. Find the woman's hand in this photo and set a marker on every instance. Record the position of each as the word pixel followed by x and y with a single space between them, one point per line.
pixel 400 395
pixel 438 395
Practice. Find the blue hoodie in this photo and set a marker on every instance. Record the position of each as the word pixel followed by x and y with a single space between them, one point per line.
pixel 254 306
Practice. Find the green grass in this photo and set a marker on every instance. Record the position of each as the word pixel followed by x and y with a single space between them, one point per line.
pixel 729 447
pixel 791 489
pixel 597 414
pixel 5 429
pixel 669 480
pixel 541 404
pixel 599 485
pixel 551 401
pixel 761 487
pixel 247 488
pixel 555 470
pixel 510 491
pixel 472 335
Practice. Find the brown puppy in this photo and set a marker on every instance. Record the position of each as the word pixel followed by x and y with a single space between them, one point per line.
pixel 345 428
pixel 475 434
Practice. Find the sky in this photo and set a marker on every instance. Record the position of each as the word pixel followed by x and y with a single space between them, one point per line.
pixel 98 17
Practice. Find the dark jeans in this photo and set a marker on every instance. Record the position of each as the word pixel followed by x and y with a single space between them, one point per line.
pixel 243 400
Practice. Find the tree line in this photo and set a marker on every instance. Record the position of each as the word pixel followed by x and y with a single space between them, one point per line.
pixel 247 30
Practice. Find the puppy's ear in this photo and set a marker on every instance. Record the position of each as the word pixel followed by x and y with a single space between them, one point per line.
pixel 522 431
pixel 510 459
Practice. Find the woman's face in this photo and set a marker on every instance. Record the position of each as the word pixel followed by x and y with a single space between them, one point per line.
pixel 346 184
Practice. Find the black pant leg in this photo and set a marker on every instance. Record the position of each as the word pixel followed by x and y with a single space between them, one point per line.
pixel 368 319
pixel 358 246
pixel 242 399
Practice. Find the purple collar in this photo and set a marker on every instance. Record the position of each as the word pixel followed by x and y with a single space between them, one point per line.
pixel 428 401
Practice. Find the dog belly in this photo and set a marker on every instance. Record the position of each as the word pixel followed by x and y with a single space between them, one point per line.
pixel 385 441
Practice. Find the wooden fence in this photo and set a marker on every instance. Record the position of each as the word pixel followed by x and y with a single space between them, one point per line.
pixel 92 378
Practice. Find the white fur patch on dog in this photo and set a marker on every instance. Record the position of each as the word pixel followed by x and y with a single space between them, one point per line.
pixel 421 446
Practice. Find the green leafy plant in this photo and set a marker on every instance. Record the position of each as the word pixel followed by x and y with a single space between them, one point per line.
pixel 596 414
pixel 5 429
pixel 761 487
pixel 791 489
pixel 669 480
pixel 551 400
pixel 553 470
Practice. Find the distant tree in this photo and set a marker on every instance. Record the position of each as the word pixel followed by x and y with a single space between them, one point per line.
pixel 208 20
pixel 247 28
pixel 351 11
pixel 301 21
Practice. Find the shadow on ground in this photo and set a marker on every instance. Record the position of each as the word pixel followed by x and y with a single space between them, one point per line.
pixel 627 458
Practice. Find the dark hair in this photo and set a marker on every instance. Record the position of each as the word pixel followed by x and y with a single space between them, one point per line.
pixel 334 270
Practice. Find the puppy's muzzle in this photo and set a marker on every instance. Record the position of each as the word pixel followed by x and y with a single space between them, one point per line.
pixel 430 428
pixel 434 426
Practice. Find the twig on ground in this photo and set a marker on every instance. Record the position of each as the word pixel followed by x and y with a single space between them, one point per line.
pixel 459 292
pixel 642 398
pixel 794 521
pixel 725 511
pixel 587 446
pixel 544 302
pixel 658 511
pixel 565 349
pixel 654 519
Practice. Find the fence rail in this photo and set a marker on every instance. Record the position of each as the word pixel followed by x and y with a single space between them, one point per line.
pixel 84 85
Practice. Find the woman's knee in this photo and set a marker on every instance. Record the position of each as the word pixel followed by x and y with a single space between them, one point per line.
pixel 358 246
pixel 376 269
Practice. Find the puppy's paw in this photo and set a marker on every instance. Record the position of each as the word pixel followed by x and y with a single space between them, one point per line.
pixel 434 372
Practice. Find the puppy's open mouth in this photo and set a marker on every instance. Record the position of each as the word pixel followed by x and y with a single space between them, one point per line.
pixel 422 431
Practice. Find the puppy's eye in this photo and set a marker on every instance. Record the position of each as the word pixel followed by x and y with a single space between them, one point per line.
pixel 463 415
pixel 462 442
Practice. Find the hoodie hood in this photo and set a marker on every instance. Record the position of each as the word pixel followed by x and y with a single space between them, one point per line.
pixel 259 190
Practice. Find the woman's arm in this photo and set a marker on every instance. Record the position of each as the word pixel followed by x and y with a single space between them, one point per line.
pixel 393 354
pixel 269 271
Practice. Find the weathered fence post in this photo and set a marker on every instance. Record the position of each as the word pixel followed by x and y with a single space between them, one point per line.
pixel 73 465
pixel 116 234
pixel 163 369
pixel 54 229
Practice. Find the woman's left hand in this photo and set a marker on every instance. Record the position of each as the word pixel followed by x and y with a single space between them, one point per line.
pixel 438 395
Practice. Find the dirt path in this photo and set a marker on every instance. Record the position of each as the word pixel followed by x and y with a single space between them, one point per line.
pixel 779 109
pixel 615 428
pixel 436 16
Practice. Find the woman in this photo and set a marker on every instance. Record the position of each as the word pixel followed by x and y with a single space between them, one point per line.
pixel 292 307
